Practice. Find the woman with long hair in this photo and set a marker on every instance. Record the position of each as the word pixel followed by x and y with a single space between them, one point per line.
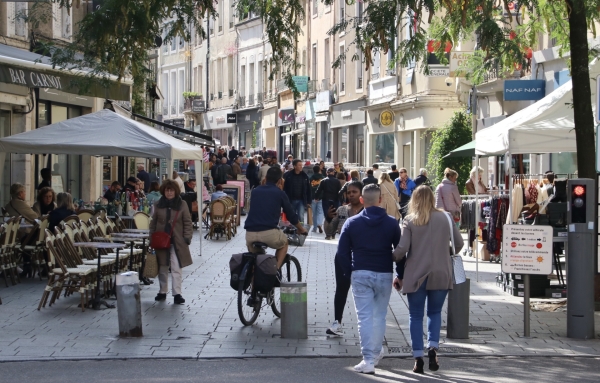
pixel 447 196
pixel 64 208
pixel 46 201
pixel 172 215
pixel 424 270
pixel 389 196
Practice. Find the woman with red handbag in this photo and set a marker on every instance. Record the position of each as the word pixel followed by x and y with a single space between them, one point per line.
pixel 170 236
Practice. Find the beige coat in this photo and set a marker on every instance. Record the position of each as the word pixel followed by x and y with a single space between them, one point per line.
pixel 18 207
pixel 183 230
pixel 428 248
pixel 389 198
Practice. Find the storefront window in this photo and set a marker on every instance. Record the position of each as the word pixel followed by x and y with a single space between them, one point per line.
pixel 5 182
pixel 383 148
pixel 66 176
pixel 563 163
pixel 312 141
pixel 343 157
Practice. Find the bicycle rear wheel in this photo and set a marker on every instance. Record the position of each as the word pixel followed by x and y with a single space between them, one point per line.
pixel 290 272
pixel 247 313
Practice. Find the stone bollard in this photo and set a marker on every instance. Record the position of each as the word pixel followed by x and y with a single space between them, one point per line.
pixel 458 311
pixel 294 321
pixel 129 305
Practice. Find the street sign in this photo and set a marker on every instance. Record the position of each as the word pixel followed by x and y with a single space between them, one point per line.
pixel 301 83
pixel 527 249
pixel 438 71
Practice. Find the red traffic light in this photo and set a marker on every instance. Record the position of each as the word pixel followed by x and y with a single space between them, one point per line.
pixel 579 190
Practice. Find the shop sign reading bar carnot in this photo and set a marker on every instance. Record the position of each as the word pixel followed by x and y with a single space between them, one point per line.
pixel 527 249
pixel 31 79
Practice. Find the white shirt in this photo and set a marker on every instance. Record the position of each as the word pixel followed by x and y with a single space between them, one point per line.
pixel 180 183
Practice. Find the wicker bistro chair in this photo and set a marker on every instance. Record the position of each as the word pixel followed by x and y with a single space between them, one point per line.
pixel 119 222
pixel 36 247
pixel 26 248
pixel 220 220
pixel 84 233
pixel 141 220
pixel 232 206
pixel 85 214
pixel 7 250
pixel 61 277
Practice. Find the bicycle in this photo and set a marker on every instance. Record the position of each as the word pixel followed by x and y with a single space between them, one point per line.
pixel 249 300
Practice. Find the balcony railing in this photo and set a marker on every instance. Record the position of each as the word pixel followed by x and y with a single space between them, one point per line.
pixel 251 99
pixel 241 102
pixel 212 96
pixel 165 110
pixel 390 72
pixel 325 84
pixel 281 86
pixel 492 74
pixel 375 76
pixel 359 83
pixel 181 108
pixel 312 86
pixel 173 109
pixel 230 92
pixel 259 98
pixel 220 95
pixel 342 87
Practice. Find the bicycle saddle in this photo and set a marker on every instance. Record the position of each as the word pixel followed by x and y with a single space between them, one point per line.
pixel 260 244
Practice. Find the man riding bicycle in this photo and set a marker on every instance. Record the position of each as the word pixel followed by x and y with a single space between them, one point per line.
pixel 263 217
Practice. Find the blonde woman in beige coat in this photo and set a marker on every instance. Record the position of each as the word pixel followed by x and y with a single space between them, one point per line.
pixel 389 196
pixel 171 211
pixel 424 270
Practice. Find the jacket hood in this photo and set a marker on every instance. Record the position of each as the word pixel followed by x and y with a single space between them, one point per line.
pixel 373 215
pixel 446 181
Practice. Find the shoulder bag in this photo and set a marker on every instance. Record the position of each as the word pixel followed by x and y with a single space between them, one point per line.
pixel 391 195
pixel 161 240
pixel 458 269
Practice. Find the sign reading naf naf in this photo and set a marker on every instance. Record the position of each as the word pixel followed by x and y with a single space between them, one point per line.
pixel 523 90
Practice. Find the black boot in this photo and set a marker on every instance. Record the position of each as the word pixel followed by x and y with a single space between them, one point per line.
pixel 178 299
pixel 419 363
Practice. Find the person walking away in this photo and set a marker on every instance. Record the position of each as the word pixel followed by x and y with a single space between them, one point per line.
pixel 475 179
pixel 297 188
pixel 376 171
pixel 342 283
pixel 447 196
pixel 389 196
pixel 154 194
pixel 144 177
pixel 316 206
pixel 46 201
pixel 404 187
pixel 172 215
pixel 236 169
pixel 251 173
pixel 370 178
pixel 394 173
pixel 46 175
pixel 179 182
pixel 365 253
pixel 262 173
pixel 422 178
pixel 224 172
pixel 424 270
pixel 233 155
pixel 263 218
pixel 327 192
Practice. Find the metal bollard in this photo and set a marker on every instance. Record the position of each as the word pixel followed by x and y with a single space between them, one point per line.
pixel 458 311
pixel 129 305
pixel 294 321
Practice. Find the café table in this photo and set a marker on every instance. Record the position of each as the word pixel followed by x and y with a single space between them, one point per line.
pixel 98 302
pixel 137 231
pixel 131 238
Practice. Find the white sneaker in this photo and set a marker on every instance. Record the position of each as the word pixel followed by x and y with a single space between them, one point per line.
pixel 378 358
pixel 335 329
pixel 365 368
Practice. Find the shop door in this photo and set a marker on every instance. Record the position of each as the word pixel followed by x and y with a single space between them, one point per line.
pixel 360 152
pixel 66 175
pixel 5 125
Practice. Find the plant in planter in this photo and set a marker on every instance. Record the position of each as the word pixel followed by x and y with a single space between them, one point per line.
pixel 192 95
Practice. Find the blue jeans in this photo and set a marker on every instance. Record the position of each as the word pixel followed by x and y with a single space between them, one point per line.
pixel 299 208
pixel 318 216
pixel 371 292
pixel 416 307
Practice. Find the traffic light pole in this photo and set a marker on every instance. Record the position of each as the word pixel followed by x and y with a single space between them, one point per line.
pixel 581 267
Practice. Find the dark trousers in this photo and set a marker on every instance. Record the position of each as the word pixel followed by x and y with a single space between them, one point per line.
pixel 342 286
pixel 404 199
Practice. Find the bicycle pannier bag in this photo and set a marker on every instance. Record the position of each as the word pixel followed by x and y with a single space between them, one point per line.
pixel 236 265
pixel 265 272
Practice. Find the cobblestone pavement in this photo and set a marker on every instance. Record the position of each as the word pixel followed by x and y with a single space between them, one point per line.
pixel 207 325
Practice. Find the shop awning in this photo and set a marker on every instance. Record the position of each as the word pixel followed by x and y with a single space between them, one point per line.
pixel 291 133
pixel 24 68
pixel 467 150
pixel 546 126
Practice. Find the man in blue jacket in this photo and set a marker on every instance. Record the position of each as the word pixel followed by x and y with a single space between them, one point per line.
pixel 367 242
pixel 404 186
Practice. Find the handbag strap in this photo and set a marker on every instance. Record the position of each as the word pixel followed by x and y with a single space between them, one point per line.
pixel 451 232
pixel 388 191
pixel 174 223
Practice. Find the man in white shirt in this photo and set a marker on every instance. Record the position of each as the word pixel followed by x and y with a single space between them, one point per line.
pixel 376 171
pixel 262 172
pixel 179 181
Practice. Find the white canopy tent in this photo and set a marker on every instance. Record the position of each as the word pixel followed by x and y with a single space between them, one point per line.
pixel 104 133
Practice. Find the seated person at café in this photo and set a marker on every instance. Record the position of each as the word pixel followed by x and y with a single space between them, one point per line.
pixel 131 184
pixel 46 201
pixel 111 193
pixel 64 209
pixel 219 193
pixel 154 194
pixel 17 205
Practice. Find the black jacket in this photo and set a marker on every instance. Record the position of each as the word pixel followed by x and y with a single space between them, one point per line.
pixel 328 189
pixel 369 180
pixel 58 215
pixel 233 154
pixel 421 179
pixel 306 191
